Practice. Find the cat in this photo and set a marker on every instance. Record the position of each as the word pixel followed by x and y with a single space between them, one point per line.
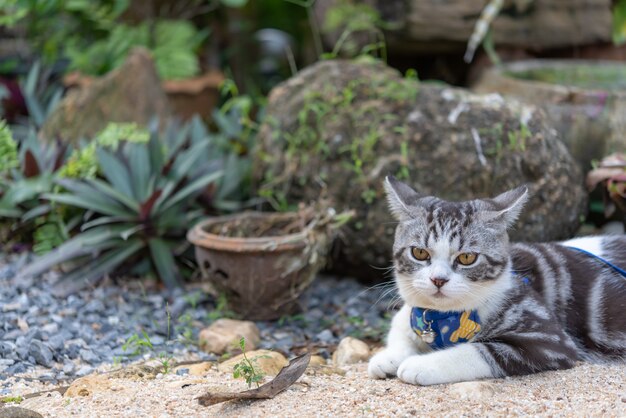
pixel 498 308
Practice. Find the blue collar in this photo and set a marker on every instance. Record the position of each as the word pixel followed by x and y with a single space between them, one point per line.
pixel 444 329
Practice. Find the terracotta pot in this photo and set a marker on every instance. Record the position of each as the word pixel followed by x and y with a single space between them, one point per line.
pixel 198 95
pixel 261 276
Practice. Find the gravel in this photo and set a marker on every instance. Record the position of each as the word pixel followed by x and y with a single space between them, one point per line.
pixel 58 339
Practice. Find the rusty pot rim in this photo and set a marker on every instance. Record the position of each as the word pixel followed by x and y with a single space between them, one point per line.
pixel 199 237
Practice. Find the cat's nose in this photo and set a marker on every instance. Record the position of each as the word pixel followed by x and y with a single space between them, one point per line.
pixel 438 281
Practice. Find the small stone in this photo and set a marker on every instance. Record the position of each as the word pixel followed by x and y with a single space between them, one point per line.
pixel 17 368
pixel 18 412
pixel 317 361
pixel 69 367
pixel 223 334
pixel 57 341
pixel 89 356
pixel 182 371
pixel 325 336
pixel 73 351
pixel 6 348
pixel 84 370
pixel 350 351
pixel 199 369
pixel 88 385
pixel 266 361
pixel 473 390
pixel 41 353
pixel 51 328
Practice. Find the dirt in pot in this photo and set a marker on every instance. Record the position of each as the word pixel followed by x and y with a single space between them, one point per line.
pixel 257 227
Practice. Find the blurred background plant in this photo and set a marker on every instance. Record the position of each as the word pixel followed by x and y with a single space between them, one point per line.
pixel 609 175
pixel 98 205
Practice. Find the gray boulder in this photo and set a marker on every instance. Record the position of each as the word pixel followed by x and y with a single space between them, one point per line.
pixel 338 127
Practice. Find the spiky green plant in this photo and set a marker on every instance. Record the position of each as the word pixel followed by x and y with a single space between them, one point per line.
pixel 141 208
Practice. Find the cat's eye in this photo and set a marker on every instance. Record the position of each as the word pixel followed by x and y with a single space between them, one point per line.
pixel 467 258
pixel 419 254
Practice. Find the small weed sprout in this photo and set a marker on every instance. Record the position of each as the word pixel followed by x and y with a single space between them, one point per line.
pixel 166 362
pixel 185 329
pixel 137 344
pixel 246 369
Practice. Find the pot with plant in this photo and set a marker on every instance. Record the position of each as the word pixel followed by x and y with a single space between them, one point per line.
pixel 262 262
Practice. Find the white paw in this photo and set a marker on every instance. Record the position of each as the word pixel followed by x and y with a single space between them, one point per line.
pixel 384 364
pixel 418 370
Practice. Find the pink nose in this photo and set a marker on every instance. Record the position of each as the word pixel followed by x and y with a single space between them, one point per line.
pixel 439 282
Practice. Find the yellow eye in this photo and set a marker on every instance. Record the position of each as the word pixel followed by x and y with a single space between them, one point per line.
pixel 467 258
pixel 420 254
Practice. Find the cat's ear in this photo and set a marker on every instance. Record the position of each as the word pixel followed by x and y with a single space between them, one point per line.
pixel 400 197
pixel 506 207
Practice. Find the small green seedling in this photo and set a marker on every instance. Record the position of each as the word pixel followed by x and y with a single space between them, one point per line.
pixel 166 362
pixel 138 344
pixel 246 369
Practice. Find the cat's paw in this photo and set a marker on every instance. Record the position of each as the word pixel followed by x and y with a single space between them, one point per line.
pixel 418 370
pixel 385 364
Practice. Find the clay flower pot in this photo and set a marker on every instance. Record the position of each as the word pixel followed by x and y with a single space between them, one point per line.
pixel 262 262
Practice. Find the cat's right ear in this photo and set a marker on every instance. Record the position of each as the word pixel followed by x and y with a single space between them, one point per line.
pixel 401 198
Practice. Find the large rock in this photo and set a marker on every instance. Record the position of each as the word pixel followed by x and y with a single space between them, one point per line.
pixel 337 128
pixel 224 335
pixel 351 351
pixel 264 361
pixel 132 93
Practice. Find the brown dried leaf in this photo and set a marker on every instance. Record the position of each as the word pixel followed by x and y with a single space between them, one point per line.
pixel 285 378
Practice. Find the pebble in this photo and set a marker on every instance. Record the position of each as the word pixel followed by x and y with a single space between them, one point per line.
pixel 182 372
pixel 41 353
pixel 72 336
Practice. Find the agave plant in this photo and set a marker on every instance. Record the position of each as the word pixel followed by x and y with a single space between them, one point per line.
pixel 25 177
pixel 140 208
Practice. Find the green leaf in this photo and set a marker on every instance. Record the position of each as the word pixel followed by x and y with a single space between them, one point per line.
pixel 81 244
pixel 192 188
pixel 619 22
pixel 93 270
pixel 114 194
pixel 35 212
pixel 87 192
pixel 115 171
pixel 234 3
pixel 164 261
pixel 26 189
pixel 103 220
pixel 85 203
pixel 139 161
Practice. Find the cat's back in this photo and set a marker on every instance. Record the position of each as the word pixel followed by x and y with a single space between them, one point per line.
pixel 583 281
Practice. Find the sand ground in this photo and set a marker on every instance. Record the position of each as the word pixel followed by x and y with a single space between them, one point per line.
pixel 587 390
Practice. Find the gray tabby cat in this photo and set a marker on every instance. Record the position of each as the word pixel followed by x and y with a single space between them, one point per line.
pixel 539 306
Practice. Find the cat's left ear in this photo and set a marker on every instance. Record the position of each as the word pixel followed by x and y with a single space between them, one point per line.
pixel 506 207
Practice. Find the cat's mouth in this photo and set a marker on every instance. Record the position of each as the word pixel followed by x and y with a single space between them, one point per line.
pixel 439 295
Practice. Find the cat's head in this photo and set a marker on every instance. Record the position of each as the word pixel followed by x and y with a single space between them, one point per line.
pixel 451 255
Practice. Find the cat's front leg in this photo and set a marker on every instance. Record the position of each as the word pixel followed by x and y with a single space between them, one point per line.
pixel 401 344
pixel 455 364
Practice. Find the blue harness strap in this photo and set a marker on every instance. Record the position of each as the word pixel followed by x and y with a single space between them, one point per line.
pixel 607 263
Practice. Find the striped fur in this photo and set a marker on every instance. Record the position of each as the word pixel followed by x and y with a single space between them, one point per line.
pixel 543 306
